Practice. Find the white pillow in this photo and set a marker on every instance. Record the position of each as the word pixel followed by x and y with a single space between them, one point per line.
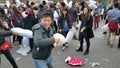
pixel 62 39
pixel 92 6
pixel 23 32
pixel 105 27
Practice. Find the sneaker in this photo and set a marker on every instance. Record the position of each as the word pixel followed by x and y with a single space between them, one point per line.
pixel 63 49
pixel 66 45
pixel 79 50
pixel 111 46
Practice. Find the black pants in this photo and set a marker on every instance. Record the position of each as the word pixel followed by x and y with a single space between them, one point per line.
pixel 19 38
pixel 87 41
pixel 119 42
pixel 10 58
pixel 102 17
pixel 31 43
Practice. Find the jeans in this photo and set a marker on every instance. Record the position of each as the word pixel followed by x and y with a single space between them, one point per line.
pixel 42 63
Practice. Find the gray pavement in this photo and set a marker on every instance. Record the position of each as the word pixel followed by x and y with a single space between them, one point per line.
pixel 100 52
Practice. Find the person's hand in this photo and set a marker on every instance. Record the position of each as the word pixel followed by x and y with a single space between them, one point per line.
pixel 5 24
pixel 81 12
pixel 82 30
pixel 57 40
pixel 60 30
pixel 15 33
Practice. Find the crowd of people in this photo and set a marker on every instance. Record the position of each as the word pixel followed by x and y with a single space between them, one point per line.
pixel 48 18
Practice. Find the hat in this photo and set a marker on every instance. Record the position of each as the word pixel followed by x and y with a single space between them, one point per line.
pixel 28 11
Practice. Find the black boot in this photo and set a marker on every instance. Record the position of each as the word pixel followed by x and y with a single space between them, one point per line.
pixel 79 49
pixel 119 43
pixel 86 53
pixel 111 46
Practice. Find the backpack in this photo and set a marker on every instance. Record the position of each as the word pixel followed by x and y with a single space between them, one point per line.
pixel 19 22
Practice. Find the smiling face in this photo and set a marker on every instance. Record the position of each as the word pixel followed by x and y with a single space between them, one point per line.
pixel 46 21
pixel 85 10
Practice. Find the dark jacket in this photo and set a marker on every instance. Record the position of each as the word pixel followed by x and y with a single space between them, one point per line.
pixel 61 22
pixel 13 18
pixel 43 42
pixel 3 34
pixel 88 32
pixel 73 14
pixel 29 22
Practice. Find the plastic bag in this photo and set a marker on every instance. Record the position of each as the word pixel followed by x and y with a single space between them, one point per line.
pixel 74 61
pixel 23 32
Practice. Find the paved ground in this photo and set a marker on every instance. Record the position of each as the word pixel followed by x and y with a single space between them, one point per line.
pixel 99 52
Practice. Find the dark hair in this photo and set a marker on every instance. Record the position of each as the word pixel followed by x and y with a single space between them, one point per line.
pixel 32 3
pixel 63 4
pixel 40 6
pixel 15 9
pixel 115 1
pixel 2 15
pixel 73 4
pixel 2 11
pixel 46 14
pixel 5 6
pixel 116 5
pixel 35 8
pixel 1 21
pixel 52 5
pixel 44 2
pixel 65 9
pixel 23 8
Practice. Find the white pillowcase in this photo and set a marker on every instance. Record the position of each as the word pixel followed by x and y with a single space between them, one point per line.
pixel 62 39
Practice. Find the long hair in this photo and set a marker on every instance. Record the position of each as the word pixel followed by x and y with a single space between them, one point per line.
pixel 2 13
pixel 15 9
pixel 86 16
pixel 1 22
pixel 65 9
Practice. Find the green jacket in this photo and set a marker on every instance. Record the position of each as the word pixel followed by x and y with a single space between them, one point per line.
pixel 43 42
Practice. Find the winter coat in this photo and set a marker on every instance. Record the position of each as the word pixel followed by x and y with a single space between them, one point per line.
pixel 43 42
pixel 88 32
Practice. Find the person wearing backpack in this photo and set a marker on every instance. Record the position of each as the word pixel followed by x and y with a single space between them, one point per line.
pixel 17 20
